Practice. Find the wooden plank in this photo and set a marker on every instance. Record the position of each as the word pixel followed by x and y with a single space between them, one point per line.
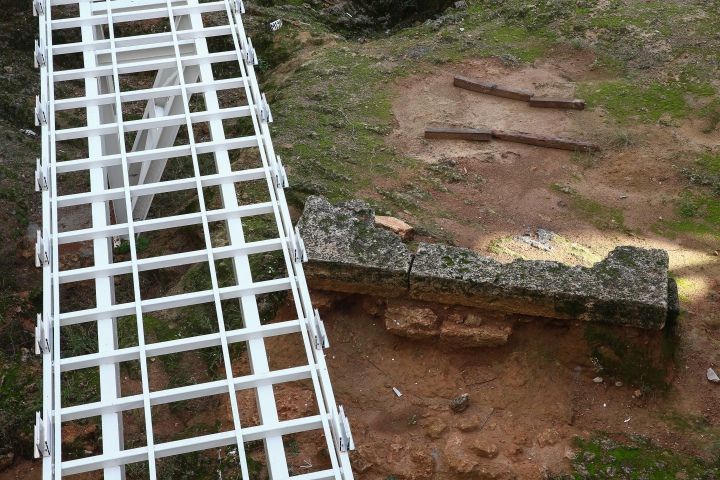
pixel 549 102
pixel 547 142
pixel 448 133
pixel 492 89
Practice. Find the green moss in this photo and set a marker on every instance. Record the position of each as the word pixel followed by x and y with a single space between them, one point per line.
pixel 628 361
pixel 635 457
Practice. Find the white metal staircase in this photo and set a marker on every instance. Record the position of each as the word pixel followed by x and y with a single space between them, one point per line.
pixel 121 180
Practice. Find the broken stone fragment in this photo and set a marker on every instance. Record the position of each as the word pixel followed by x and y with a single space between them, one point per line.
pixel 411 322
pixel 629 287
pixel 485 448
pixel 346 253
pixel 460 404
pixel 475 336
pixel 455 456
pixel 435 428
pixel 395 225
pixel 548 438
pixel 712 376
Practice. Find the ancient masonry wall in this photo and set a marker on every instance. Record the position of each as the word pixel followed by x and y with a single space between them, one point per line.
pixel 347 253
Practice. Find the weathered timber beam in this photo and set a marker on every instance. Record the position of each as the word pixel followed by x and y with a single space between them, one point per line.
pixel 492 89
pixel 544 141
pixel 549 102
pixel 447 133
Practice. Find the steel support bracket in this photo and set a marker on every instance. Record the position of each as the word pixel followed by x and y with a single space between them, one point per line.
pixel 40 113
pixel 41 176
pixel 341 428
pixel 279 175
pixel 43 434
pixel 42 258
pixel 264 110
pixel 239 7
pixel 38 8
pixel 40 57
pixel 250 56
pixel 317 327
pixel 298 247
pixel 43 330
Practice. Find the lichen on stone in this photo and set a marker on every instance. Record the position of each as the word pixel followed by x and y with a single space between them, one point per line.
pixel 347 253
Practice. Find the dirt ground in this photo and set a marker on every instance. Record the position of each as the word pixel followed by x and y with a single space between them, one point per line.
pixel 528 398
pixel 512 189
pixel 542 376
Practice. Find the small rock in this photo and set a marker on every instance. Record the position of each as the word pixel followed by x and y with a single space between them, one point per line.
pixel 411 322
pixel 548 438
pixel 359 462
pixel 637 393
pixel 565 189
pixel 395 225
pixel 485 449
pixel 515 449
pixel 6 460
pixel 463 335
pixel 460 5
pixel 712 376
pixel 370 305
pixel 598 379
pixel 618 384
pixel 435 428
pixel 588 456
pixel 460 404
pixel 455 456
pixel 666 120
pixel 324 301
pixel 473 320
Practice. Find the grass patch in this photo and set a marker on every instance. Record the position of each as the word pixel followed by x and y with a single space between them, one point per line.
pixel 603 217
pixel 629 100
pixel 705 172
pixel 698 214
